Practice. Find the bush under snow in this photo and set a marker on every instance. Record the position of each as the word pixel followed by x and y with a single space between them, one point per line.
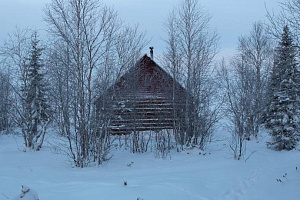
pixel 27 194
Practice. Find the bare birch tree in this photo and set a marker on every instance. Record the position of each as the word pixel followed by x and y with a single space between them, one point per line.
pixel 256 51
pixel 237 89
pixel 289 15
pixel 92 49
pixel 245 81
pixel 86 28
pixel 191 48
pixel 23 57
pixel 13 54
pixel 172 61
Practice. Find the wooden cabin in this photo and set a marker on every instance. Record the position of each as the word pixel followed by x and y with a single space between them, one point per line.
pixel 145 98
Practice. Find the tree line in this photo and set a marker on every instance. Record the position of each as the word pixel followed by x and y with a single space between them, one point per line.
pixel 55 83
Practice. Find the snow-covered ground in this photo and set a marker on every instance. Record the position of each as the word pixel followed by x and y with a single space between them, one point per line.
pixel 187 175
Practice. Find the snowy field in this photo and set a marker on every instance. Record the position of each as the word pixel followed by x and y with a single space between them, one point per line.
pixel 187 175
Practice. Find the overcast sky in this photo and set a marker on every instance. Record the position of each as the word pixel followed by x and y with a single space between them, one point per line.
pixel 230 18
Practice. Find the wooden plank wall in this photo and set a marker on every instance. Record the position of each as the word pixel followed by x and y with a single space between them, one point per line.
pixel 144 99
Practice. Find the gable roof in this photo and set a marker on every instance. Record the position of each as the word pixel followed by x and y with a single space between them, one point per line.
pixel 147 75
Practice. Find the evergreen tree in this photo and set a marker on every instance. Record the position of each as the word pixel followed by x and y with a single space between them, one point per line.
pixel 5 105
pixel 36 108
pixel 283 108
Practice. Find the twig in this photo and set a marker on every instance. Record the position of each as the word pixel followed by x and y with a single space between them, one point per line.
pixel 17 143
pixel 284 176
pixel 250 155
pixel 5 196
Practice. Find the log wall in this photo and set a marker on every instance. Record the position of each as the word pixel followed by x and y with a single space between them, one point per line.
pixel 145 98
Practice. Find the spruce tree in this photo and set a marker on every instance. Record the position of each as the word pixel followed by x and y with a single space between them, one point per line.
pixel 36 108
pixel 283 108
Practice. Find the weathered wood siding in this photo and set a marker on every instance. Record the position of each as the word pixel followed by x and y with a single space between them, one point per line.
pixel 145 98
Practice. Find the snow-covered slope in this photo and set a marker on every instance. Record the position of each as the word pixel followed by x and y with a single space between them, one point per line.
pixel 186 175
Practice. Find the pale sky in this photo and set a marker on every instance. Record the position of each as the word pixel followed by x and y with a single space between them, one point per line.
pixel 230 18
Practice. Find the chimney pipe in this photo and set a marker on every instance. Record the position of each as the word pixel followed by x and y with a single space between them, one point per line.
pixel 151 52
